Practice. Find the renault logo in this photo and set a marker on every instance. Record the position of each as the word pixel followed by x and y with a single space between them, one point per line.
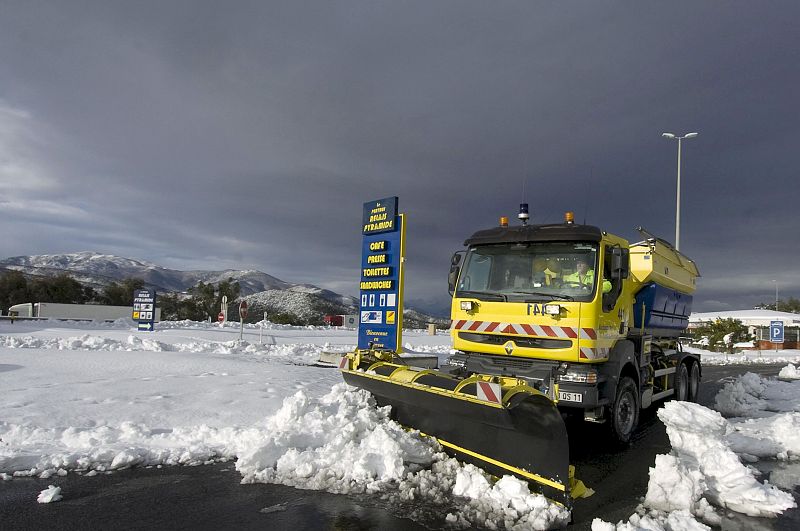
pixel 509 347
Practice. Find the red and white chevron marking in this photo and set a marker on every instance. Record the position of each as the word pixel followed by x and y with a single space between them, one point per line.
pixel 489 392
pixel 525 329
pixel 590 353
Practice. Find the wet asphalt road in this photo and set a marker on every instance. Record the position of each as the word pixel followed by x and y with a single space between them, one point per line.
pixel 211 497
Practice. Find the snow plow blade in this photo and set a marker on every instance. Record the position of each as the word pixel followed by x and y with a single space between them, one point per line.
pixel 514 430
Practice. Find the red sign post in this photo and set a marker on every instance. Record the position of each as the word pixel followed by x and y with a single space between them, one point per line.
pixel 221 317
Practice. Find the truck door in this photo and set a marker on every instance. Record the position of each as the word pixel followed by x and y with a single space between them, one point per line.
pixel 613 317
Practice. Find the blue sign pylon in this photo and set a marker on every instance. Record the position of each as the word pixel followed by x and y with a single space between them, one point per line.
pixel 380 322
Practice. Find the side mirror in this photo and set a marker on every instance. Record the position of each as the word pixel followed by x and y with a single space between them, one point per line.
pixel 620 263
pixel 455 269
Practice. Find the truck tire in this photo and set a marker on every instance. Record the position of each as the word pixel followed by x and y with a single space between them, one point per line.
pixel 682 383
pixel 625 411
pixel 694 381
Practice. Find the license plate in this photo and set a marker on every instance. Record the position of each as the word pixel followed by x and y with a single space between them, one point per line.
pixel 570 397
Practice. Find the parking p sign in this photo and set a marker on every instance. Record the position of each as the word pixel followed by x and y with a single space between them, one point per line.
pixel 776 331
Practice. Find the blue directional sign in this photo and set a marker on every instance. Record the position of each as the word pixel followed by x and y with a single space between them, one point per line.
pixel 144 309
pixel 776 331
pixel 380 323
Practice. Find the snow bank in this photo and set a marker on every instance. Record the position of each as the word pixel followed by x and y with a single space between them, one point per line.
pixel 42 452
pixel 705 462
pixel 697 437
pixel 296 353
pixel 746 357
pixel 235 325
pixel 343 443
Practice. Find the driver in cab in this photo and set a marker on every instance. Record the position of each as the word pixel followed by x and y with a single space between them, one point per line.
pixel 584 276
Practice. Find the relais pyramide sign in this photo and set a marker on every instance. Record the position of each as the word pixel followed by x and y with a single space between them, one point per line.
pixel 382 251
pixel 144 308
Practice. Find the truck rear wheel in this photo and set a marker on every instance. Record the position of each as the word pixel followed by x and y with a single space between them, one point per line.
pixel 694 382
pixel 682 383
pixel 625 411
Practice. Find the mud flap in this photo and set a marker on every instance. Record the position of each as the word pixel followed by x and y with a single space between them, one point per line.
pixel 524 436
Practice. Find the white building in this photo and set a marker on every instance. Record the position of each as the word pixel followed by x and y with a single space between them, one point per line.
pixel 749 318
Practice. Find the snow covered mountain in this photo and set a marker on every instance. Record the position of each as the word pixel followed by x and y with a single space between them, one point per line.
pixel 263 292
pixel 98 270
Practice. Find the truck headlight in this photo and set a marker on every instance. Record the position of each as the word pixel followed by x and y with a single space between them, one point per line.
pixel 552 309
pixel 575 376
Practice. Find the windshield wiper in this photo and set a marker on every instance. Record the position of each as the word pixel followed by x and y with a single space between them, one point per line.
pixel 553 296
pixel 479 294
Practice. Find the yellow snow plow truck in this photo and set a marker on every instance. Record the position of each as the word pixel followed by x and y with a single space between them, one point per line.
pixel 547 321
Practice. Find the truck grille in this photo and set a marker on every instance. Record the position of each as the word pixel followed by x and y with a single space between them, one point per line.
pixel 532 370
pixel 520 341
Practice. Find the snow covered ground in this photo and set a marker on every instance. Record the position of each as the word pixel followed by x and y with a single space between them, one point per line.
pixel 748 357
pixel 93 398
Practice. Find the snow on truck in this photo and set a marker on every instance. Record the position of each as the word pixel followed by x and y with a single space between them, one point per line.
pixel 548 321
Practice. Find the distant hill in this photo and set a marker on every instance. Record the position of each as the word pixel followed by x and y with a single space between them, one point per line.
pixel 263 292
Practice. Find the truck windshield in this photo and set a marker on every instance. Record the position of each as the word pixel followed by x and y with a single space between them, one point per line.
pixel 530 271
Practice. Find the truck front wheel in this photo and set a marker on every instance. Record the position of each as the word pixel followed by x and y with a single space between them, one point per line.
pixel 625 411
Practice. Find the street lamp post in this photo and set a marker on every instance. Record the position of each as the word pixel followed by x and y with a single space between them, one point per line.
pixel 776 295
pixel 673 136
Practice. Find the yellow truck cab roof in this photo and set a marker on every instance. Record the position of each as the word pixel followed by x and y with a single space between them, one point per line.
pixel 536 233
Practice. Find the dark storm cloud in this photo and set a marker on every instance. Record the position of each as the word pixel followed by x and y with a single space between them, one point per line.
pixel 206 135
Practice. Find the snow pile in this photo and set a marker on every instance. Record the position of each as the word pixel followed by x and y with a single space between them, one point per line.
pixel 674 487
pixel 643 520
pixel 705 464
pixel 340 443
pixel 789 372
pixel 84 342
pixel 741 396
pixel 751 395
pixel 343 443
pixel 50 494
pixel 776 436
pixel 697 435
pixel 507 503
pixel 769 411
